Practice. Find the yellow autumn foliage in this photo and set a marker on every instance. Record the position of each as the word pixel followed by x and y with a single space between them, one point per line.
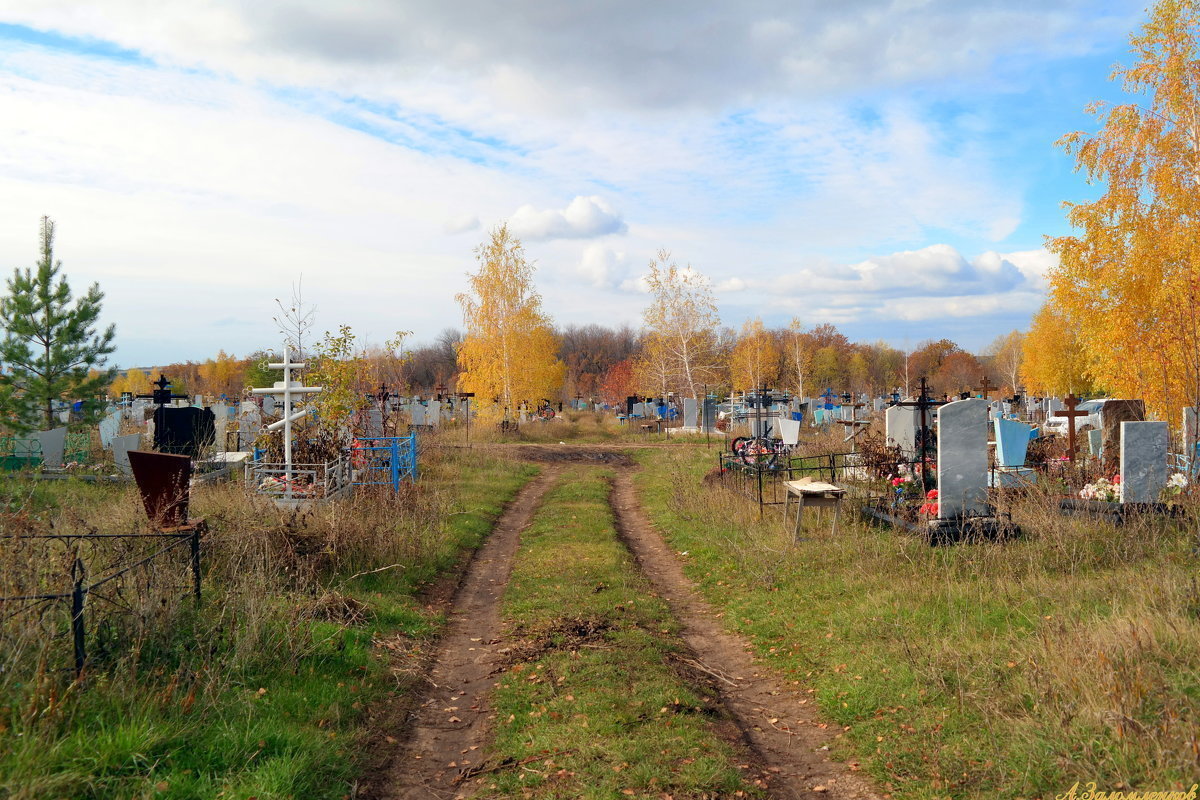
pixel 509 353
pixel 1129 284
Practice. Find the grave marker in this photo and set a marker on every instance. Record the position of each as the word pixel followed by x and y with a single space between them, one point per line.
pixel 1143 461
pixel 54 443
pixel 962 459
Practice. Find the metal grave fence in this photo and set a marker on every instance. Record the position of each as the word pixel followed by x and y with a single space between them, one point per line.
pixel 384 461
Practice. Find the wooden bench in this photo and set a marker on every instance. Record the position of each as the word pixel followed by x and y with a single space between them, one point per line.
pixel 813 494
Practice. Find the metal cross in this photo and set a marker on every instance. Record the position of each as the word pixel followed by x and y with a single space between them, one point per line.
pixel 289 390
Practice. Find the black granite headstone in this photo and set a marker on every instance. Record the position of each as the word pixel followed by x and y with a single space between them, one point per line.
pixel 183 431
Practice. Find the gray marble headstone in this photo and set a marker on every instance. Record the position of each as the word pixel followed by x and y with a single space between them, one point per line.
pixel 373 424
pixel 1053 405
pixel 901 424
pixel 1143 461
pixel 962 460
pixel 418 414
pixel 249 424
pixel 877 404
pixel 121 447
pixel 268 405
pixel 689 412
pixel 110 426
pixel 53 443
pixel 1096 442
pixel 433 414
pixel 1189 430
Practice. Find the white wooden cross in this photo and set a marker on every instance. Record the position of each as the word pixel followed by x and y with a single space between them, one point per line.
pixel 288 389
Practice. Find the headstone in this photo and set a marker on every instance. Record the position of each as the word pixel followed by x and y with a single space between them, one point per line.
pixel 110 426
pixel 1189 431
pixel 249 425
pixel 789 431
pixel 1112 414
pixel 1096 442
pixel 1053 405
pixel 163 482
pixel 1012 442
pixel 373 424
pixel 709 414
pixel 901 423
pixel 689 412
pixel 221 431
pixel 417 411
pixel 121 447
pixel 268 404
pixel 433 414
pixel 877 404
pixel 1143 461
pixel 183 431
pixel 962 460
pixel 53 443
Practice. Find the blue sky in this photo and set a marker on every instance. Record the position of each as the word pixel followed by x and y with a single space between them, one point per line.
pixel 885 165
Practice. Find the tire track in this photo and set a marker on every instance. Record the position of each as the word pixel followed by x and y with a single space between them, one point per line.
pixel 778 723
pixel 449 728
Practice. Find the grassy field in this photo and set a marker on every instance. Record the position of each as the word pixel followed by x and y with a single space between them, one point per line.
pixel 590 703
pixel 258 693
pixel 987 670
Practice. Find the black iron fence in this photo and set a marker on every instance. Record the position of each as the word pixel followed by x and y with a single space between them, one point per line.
pixel 83 587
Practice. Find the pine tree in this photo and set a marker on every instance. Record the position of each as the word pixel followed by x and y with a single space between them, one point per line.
pixel 50 343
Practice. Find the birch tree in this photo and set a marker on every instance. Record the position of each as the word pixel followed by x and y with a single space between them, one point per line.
pixel 1129 283
pixel 509 351
pixel 754 362
pixel 681 325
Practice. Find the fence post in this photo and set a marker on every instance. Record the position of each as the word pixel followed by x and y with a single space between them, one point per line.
pixel 196 563
pixel 78 632
pixel 394 463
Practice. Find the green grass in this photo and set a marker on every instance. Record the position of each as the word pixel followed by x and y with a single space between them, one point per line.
pixel 591 694
pixel 197 716
pixel 989 670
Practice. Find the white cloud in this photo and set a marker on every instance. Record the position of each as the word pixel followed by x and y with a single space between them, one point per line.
pixel 583 218
pixel 731 285
pixel 603 267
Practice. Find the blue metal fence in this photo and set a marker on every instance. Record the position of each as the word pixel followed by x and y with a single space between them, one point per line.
pixel 384 461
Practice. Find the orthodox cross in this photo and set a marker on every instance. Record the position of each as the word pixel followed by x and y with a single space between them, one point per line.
pixel 923 403
pixel 162 395
pixel 1070 402
pixel 986 387
pixel 289 389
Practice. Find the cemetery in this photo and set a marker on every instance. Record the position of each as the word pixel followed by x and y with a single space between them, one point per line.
pixel 885 486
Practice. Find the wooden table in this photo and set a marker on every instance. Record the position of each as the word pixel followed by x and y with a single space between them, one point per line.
pixel 814 494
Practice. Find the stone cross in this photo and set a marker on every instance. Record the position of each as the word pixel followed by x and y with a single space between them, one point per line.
pixel 289 389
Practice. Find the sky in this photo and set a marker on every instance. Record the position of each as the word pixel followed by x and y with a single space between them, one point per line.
pixel 888 166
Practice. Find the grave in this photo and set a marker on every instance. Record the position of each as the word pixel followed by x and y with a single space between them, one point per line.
pixel 53 444
pixel 962 472
pixel 109 427
pixel 1143 461
pixel 1112 414
pixel 288 484
pixel 1012 445
pixel 122 445
pixel 901 428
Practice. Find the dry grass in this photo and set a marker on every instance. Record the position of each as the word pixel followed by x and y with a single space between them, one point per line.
pixel 252 692
pixel 995 669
